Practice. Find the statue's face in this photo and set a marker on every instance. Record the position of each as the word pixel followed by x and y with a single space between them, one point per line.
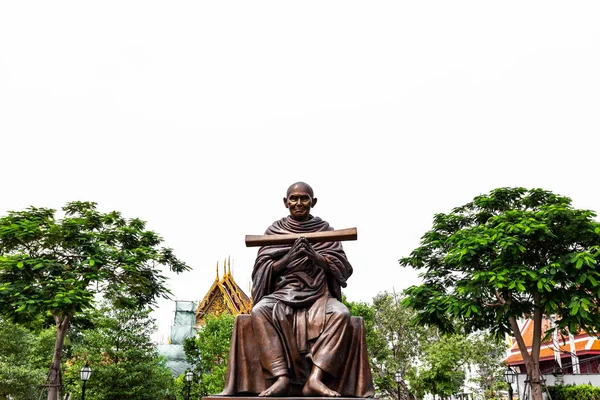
pixel 299 201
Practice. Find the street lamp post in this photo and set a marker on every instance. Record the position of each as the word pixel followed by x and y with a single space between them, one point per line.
pixel 188 377
pixel 398 378
pixel 84 374
pixel 509 377
pixel 558 375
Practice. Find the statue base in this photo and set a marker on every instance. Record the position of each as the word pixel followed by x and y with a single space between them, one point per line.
pixel 280 398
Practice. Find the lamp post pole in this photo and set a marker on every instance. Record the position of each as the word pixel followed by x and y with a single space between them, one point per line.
pixel 84 374
pixel 189 376
pixel 398 378
pixel 509 378
pixel 558 375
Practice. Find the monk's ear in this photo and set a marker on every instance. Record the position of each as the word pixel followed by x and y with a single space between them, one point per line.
pixel 285 203
pixel 314 202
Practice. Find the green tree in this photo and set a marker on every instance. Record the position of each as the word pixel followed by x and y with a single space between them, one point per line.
pixel 208 354
pixel 486 354
pixel 24 360
pixel 442 368
pixel 404 342
pixel 125 363
pixel 509 254
pixel 377 346
pixel 392 342
pixel 57 266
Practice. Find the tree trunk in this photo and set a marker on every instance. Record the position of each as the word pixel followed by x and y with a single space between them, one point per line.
pixel 62 324
pixel 536 384
pixel 534 372
pixel 532 360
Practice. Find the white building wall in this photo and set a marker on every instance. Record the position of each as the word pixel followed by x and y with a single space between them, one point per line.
pixel 569 379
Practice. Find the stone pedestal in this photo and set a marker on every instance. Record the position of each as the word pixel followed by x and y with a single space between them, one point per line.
pixel 280 398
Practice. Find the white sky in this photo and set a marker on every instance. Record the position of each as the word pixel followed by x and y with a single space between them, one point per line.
pixel 196 116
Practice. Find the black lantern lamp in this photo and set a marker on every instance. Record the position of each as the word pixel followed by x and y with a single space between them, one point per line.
pixel 84 374
pixel 398 379
pixel 189 376
pixel 509 378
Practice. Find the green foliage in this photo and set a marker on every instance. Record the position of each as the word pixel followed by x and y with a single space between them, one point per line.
pixel 441 370
pixel 24 360
pixel 58 265
pixel 392 342
pixel 571 392
pixel 442 373
pixel 404 341
pixel 123 359
pixel 486 354
pixel 208 354
pixel 181 388
pixel 377 345
pixel 507 254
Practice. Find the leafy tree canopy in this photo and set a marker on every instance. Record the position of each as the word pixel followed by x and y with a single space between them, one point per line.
pixel 486 354
pixel 446 358
pixel 24 360
pixel 505 254
pixel 208 353
pixel 57 266
pixel 393 343
pixel 124 361
pixel 442 370
pixel 508 254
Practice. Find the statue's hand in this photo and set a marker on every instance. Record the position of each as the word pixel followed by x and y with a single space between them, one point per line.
pixel 296 251
pixel 313 255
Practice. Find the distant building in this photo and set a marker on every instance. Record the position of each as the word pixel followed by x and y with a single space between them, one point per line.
pixel 182 328
pixel 224 296
pixel 574 353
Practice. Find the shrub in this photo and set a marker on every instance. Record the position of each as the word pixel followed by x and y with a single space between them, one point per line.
pixel 572 392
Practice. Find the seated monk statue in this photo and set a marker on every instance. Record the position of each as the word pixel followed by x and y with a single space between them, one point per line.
pixel 300 338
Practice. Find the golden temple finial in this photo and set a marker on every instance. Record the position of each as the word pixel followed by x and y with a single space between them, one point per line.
pixel 217 270
pixel 229 265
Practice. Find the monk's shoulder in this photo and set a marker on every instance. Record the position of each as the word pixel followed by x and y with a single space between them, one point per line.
pixel 281 226
pixel 320 224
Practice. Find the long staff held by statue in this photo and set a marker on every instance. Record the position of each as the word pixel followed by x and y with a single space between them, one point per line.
pixel 340 235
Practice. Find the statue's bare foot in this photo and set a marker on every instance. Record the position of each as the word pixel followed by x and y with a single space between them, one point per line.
pixel 315 387
pixel 280 388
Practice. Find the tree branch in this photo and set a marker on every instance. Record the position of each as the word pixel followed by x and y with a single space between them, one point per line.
pixel 499 303
pixel 519 339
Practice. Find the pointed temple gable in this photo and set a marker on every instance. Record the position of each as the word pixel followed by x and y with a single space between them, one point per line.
pixel 224 296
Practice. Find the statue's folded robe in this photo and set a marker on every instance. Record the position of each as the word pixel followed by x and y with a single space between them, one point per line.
pixel 245 376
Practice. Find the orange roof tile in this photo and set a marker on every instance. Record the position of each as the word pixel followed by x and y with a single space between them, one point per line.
pixel 584 344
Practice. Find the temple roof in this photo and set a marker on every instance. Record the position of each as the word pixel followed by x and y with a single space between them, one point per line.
pixel 224 296
pixel 584 344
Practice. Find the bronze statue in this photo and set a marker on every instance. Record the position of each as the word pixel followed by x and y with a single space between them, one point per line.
pixel 300 339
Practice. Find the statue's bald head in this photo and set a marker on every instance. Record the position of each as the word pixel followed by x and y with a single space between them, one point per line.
pixel 299 199
pixel 300 186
